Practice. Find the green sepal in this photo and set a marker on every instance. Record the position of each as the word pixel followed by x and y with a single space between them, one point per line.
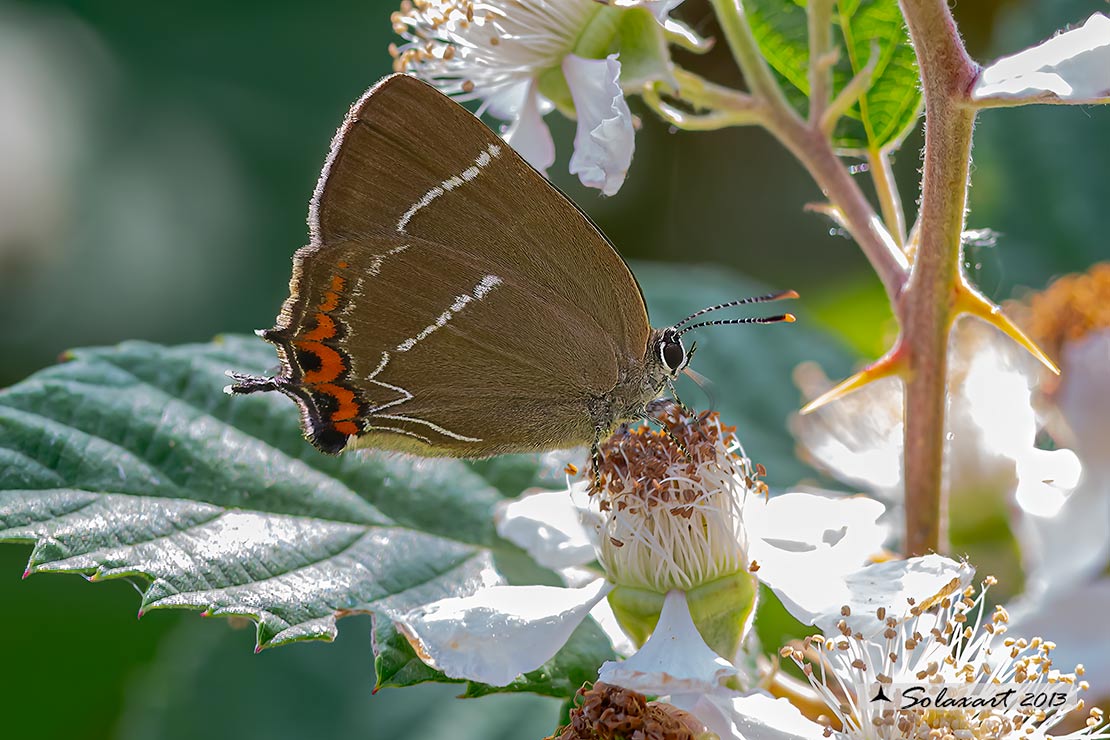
pixel 722 611
pixel 637 610
pixel 644 55
pixel 632 33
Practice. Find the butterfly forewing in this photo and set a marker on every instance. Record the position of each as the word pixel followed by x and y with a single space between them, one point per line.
pixel 451 300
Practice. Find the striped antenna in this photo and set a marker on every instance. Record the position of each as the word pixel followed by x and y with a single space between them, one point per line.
pixel 786 317
pixel 742 302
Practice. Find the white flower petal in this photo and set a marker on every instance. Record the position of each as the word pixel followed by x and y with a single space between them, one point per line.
pixel 500 632
pixel 991 425
pixel 1075 620
pixel 529 135
pixel 1045 479
pixel 803 540
pixel 604 141
pixel 888 585
pixel 1084 398
pixel 674 660
pixel 548 526
pixel 857 438
pixel 1073 66
pixel 1068 546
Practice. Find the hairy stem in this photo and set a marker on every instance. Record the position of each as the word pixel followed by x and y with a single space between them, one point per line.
pixel 927 309
pixel 812 148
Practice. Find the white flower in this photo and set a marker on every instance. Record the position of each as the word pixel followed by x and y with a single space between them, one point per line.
pixel 1071 67
pixel 1065 548
pixel 927 631
pixel 672 533
pixel 523 59
pixel 991 428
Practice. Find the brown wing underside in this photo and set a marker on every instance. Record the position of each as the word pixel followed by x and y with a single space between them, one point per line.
pixel 451 301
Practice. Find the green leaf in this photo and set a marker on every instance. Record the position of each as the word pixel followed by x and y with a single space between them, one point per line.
pixel 131 462
pixel 892 104
pixel 890 107
pixel 781 30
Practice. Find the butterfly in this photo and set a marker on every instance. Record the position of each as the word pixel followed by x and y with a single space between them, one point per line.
pixel 451 301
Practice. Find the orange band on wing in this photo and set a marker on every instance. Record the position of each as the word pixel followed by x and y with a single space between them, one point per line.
pixel 327 376
pixel 348 407
pixel 332 364
pixel 325 328
pixel 331 298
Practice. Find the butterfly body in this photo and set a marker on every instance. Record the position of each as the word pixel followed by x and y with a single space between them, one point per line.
pixel 451 301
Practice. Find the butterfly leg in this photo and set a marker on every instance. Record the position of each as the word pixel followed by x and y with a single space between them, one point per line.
pixel 652 412
pixel 686 410
pixel 595 457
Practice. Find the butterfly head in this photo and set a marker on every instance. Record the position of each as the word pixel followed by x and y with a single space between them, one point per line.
pixel 672 352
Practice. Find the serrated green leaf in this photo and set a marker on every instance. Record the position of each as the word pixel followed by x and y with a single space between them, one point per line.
pixel 888 110
pixel 131 462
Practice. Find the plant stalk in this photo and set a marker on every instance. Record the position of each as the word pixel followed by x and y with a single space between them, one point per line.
pixel 926 311
pixel 882 175
pixel 810 145
pixel 757 74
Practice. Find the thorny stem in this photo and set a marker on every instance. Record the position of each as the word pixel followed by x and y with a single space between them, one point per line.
pixel 812 148
pixel 882 175
pixel 926 311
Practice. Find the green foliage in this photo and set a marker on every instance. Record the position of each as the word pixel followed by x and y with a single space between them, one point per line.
pixel 892 104
pixel 203 684
pixel 889 108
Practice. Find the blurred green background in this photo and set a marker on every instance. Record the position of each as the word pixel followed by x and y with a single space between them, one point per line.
pixel 155 166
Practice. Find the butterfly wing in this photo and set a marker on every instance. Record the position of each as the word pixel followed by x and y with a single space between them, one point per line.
pixel 451 300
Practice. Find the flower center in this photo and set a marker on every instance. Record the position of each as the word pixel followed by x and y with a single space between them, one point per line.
pixel 940 672
pixel 476 49
pixel 672 503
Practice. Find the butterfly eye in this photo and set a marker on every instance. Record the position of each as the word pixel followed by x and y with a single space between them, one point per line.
pixel 673 354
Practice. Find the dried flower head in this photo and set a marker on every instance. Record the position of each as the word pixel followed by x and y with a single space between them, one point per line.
pixel 607 712
pixel 1070 309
